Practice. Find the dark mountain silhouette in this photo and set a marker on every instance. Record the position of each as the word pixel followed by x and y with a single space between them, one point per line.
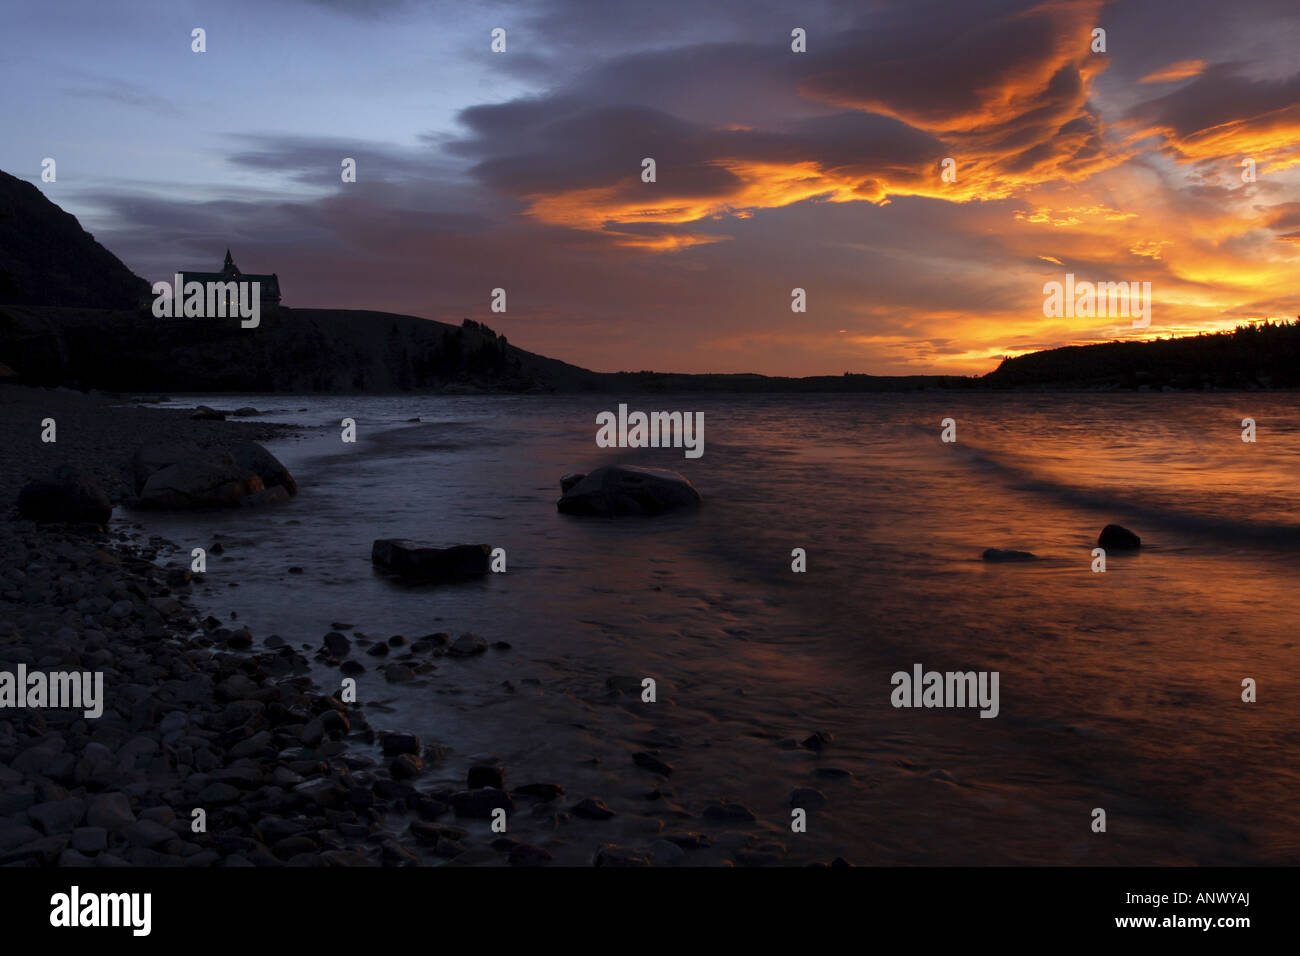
pixel 46 258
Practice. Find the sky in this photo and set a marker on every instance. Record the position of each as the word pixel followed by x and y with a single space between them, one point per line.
pixel 820 170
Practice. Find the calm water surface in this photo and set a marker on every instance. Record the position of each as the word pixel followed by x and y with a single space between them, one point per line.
pixel 1118 690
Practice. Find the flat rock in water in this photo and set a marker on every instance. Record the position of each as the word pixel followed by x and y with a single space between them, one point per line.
pixel 615 490
pixel 1001 555
pixel 415 562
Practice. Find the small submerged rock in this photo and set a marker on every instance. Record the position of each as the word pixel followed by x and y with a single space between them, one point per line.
pixel 652 763
pixel 615 490
pixel 1007 554
pixel 544 792
pixel 730 812
pixel 807 798
pixel 394 744
pixel 591 808
pixel 398 674
pixel 479 804
pixel 525 854
pixel 613 855
pixel 406 767
pixel 817 741
pixel 1115 537
pixel 486 775
pixel 416 562
pixel 467 645
pixel 337 644
pixel 833 773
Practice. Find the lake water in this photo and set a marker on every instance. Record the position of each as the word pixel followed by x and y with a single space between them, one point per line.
pixel 1118 690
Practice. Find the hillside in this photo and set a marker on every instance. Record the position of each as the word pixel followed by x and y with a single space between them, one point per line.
pixel 46 258
pixel 293 350
pixel 1258 356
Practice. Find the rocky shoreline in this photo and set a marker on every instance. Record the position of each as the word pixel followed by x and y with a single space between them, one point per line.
pixel 197 715
pixel 203 714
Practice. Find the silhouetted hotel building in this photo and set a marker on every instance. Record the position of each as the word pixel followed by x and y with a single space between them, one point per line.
pixel 268 285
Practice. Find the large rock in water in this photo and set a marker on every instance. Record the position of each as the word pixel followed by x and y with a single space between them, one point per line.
pixel 415 562
pixel 69 497
pixel 1114 537
pixel 208 481
pixel 205 473
pixel 627 490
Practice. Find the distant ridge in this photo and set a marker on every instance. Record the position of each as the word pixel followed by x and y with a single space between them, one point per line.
pixel 1266 355
pixel 71 314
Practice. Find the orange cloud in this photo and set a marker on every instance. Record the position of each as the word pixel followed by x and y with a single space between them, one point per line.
pixel 1006 100
pixel 1182 70
pixel 1225 117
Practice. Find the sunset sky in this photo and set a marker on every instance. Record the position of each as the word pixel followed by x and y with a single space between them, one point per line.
pixel 775 169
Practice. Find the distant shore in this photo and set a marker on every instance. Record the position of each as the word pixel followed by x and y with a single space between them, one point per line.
pixel 342 351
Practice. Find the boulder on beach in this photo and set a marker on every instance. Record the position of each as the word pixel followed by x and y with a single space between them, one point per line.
pixel 416 562
pixel 253 457
pixel 70 497
pixel 172 475
pixel 627 490
pixel 1114 537
pixel 155 456
pixel 202 482
pixel 1001 554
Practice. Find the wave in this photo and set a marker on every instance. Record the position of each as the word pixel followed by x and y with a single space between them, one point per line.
pixel 1146 510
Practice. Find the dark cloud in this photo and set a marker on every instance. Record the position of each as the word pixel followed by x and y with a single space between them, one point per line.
pixel 774 170
pixel 316 161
